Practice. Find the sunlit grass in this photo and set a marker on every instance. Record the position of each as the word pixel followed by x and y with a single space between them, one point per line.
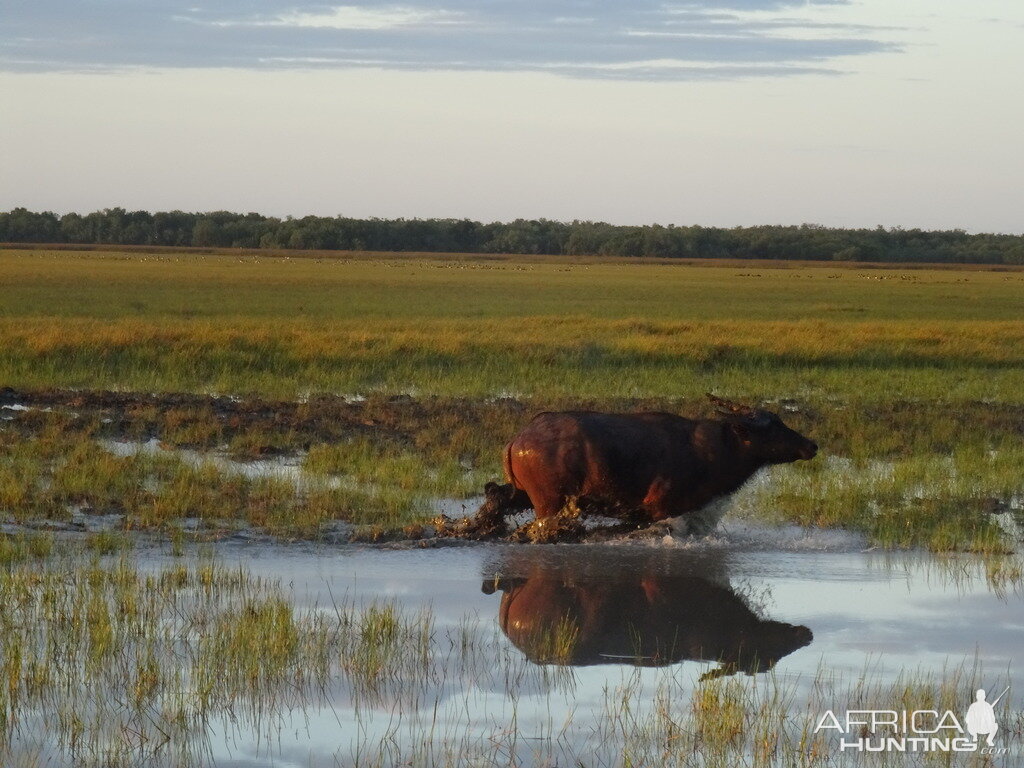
pixel 919 370
pixel 910 383
pixel 943 502
pixel 531 356
pixel 292 327
pixel 904 478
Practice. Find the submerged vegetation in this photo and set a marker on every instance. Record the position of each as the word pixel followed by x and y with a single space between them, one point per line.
pixel 108 661
pixel 128 665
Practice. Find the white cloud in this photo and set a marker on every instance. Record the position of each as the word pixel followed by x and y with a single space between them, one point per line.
pixel 471 120
pixel 563 36
pixel 352 17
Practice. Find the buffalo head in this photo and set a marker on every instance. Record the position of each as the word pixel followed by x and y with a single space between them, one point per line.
pixel 761 651
pixel 764 433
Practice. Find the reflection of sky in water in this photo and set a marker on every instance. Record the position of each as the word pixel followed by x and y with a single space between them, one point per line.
pixel 867 610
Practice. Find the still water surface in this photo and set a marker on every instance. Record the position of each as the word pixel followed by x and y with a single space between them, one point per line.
pixel 809 604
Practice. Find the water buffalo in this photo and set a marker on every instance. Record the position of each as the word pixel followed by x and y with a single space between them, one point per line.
pixel 643 467
pixel 638 616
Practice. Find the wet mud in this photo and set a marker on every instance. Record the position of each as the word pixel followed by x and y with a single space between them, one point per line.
pixel 463 431
pixel 428 421
pixel 499 519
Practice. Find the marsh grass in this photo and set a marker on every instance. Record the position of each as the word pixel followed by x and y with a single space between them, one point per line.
pixel 911 386
pixel 947 484
pixel 770 721
pixel 16 549
pixel 378 468
pixel 554 644
pixel 109 542
pixel 941 502
pixel 128 666
pixel 403 378
pixel 524 357
pixel 256 443
pixel 104 662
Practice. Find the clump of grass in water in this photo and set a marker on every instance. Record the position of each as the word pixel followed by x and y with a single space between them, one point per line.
pixel 136 667
pixel 264 441
pixel 554 644
pixel 256 647
pixel 16 549
pixel 109 542
pixel 383 645
pixel 192 428
pixel 1003 572
pixel 380 464
pixel 935 501
pixel 720 714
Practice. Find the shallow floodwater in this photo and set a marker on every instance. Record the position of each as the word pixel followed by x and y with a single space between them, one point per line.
pixel 814 605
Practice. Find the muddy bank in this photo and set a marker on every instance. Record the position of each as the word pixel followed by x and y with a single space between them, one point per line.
pixel 442 530
pixel 422 420
pixel 499 519
pixel 375 468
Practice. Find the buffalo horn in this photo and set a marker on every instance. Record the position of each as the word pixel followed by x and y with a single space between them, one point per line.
pixel 727 406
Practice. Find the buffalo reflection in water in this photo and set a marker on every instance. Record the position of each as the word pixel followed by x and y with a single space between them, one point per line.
pixel 574 614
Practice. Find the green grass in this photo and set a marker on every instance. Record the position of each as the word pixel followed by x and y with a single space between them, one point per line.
pixel 941 502
pixel 23 547
pixel 909 475
pixel 285 327
pixel 116 285
pixel 45 476
pixel 910 383
pixel 916 370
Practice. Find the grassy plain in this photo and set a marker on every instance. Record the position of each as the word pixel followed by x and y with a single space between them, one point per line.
pixel 286 326
pixel 909 378
pixel 391 382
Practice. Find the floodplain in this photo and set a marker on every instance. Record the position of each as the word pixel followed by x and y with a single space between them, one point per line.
pixel 237 462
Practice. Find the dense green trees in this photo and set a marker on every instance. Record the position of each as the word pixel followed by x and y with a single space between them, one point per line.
pixel 116 226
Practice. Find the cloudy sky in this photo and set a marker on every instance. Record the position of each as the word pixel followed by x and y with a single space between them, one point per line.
pixel 845 113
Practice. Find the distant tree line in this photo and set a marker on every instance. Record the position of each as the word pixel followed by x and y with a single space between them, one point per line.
pixel 116 226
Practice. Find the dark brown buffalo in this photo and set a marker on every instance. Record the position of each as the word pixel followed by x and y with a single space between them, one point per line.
pixel 643 466
pixel 650 619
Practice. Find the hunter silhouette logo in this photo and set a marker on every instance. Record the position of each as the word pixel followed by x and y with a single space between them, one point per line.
pixel 919 730
pixel 981 717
